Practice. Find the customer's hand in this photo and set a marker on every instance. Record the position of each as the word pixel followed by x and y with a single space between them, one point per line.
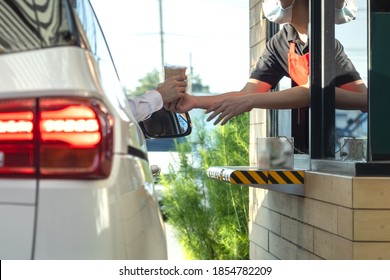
pixel 172 88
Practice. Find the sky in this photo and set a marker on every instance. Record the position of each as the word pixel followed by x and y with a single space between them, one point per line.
pixel 210 36
pixel 353 36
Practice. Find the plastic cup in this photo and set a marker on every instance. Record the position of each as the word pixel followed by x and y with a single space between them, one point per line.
pixel 172 70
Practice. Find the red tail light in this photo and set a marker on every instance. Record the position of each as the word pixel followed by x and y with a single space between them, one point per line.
pixel 56 138
pixel 76 125
pixel 17 137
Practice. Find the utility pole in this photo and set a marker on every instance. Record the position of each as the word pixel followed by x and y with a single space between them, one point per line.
pixel 189 77
pixel 161 41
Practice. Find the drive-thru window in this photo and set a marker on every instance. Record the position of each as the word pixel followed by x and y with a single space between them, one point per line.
pixel 333 203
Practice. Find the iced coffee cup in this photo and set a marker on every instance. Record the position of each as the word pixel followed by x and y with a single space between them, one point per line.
pixel 172 70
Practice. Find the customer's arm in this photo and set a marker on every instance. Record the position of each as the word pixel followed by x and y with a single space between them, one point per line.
pixel 144 105
pixel 168 91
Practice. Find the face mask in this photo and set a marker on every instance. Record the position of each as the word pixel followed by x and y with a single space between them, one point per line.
pixel 274 12
pixel 347 13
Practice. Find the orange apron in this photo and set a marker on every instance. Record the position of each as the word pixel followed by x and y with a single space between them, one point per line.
pixel 298 66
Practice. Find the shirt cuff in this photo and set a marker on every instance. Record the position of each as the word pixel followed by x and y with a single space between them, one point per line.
pixel 155 98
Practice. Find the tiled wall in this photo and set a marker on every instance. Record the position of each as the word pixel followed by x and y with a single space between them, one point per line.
pixel 257 44
pixel 338 218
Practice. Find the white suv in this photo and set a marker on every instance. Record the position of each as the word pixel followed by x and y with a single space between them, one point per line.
pixel 75 182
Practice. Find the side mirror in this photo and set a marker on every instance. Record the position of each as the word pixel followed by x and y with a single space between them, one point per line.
pixel 156 170
pixel 166 124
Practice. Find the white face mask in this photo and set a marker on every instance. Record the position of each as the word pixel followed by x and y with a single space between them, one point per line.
pixel 347 13
pixel 274 12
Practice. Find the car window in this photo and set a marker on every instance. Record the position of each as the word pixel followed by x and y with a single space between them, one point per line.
pixel 34 24
pixel 93 33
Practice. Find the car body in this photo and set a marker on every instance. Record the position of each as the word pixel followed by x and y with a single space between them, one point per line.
pixel 75 181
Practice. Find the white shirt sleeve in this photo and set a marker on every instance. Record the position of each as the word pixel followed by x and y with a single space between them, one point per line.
pixel 144 105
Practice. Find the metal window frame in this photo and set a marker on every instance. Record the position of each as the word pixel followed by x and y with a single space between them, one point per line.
pixel 322 73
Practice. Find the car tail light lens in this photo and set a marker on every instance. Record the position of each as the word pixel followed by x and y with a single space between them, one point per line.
pixel 66 138
pixel 17 118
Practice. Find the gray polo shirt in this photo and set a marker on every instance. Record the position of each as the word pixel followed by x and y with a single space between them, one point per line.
pixel 272 66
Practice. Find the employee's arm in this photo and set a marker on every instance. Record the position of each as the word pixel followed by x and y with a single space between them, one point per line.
pixel 189 102
pixel 352 96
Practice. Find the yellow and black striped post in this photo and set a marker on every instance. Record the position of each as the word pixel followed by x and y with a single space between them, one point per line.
pixel 290 181
pixel 251 176
pixel 247 177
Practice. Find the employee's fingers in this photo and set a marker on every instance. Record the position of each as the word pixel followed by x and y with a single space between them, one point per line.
pixel 220 117
pixel 227 118
pixel 213 115
pixel 223 115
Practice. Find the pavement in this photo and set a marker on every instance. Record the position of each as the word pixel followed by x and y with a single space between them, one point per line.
pixel 175 251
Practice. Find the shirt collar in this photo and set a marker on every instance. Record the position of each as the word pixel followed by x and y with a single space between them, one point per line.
pixel 292 35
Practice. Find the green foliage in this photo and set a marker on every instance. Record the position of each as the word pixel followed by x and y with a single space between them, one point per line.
pixel 197 85
pixel 210 217
pixel 152 79
pixel 149 82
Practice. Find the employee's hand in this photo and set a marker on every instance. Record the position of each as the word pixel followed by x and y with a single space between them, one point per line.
pixel 172 88
pixel 228 108
pixel 182 105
